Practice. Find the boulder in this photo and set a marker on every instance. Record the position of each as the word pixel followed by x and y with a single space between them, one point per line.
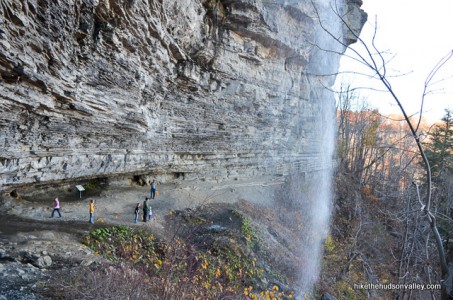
pixel 43 262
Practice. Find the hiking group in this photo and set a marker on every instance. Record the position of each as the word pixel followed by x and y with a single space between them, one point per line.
pixel 56 208
pixel 147 210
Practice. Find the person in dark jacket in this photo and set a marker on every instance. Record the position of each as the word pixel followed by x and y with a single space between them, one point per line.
pixel 145 209
pixel 137 212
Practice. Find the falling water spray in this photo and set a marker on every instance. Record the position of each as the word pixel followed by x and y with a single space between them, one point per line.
pixel 317 202
pixel 317 197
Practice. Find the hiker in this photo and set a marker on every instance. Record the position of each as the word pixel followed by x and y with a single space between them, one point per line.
pixel 137 212
pixel 153 189
pixel 56 207
pixel 150 213
pixel 91 211
pixel 145 209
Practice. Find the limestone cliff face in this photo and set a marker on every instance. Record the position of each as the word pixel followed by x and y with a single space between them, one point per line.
pixel 200 88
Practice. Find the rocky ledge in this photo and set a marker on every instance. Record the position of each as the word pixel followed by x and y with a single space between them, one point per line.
pixel 29 259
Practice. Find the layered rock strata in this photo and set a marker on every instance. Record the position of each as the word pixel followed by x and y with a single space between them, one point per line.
pixel 194 88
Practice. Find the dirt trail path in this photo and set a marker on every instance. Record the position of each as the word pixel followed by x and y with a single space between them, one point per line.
pixel 116 204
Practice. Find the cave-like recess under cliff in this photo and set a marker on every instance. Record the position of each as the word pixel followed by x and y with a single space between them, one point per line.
pixel 200 88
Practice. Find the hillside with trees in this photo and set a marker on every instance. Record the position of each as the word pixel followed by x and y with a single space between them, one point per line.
pixel 379 234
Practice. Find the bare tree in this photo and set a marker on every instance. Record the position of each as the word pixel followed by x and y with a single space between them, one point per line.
pixel 372 58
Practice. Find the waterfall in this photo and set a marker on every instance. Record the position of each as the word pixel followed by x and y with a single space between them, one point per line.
pixel 317 197
pixel 317 202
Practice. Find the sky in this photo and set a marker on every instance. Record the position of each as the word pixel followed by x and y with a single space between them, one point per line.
pixel 415 35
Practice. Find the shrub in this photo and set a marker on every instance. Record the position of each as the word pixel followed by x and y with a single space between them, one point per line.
pixel 177 269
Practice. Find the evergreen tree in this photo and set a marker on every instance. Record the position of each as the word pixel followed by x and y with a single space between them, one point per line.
pixel 439 150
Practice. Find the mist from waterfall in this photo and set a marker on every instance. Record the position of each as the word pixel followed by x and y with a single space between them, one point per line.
pixel 317 196
pixel 317 201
